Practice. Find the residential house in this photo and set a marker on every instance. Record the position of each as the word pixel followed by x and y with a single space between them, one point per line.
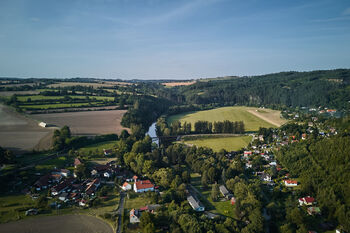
pixel 77 162
pixel 99 170
pixel 225 192
pixel 134 216
pixel 43 182
pixel 306 200
pixel 63 196
pixel 65 172
pixel 126 186
pixel 92 187
pixel 107 152
pixel 290 183
pixel 265 177
pixel 61 186
pixel 195 203
pixel 143 186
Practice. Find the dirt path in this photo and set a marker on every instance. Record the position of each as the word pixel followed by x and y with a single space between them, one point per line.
pixel 270 117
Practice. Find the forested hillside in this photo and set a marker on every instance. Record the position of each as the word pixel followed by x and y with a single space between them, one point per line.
pixel 323 169
pixel 329 88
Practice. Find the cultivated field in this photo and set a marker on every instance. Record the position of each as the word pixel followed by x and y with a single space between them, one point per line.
pixel 86 123
pixel 21 134
pixel 58 224
pixel 253 118
pixel 232 143
pixel 174 84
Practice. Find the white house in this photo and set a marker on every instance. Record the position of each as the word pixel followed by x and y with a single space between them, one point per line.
pixel 134 216
pixel 126 186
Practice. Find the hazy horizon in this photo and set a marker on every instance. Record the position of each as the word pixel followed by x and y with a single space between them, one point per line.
pixel 157 39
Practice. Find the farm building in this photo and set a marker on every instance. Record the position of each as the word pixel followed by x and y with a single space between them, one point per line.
pixel 42 124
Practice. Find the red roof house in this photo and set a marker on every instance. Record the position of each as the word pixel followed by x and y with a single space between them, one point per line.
pixel 143 186
pixel 306 200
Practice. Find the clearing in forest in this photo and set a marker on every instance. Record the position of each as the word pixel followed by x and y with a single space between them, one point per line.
pixel 253 118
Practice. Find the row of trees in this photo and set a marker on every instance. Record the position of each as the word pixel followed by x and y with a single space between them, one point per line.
pixel 204 127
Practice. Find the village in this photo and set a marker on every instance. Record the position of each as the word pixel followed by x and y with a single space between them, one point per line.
pixel 81 187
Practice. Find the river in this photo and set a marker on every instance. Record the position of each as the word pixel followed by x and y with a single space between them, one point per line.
pixel 152 133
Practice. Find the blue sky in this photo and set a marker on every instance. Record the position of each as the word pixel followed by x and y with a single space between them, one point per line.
pixel 177 39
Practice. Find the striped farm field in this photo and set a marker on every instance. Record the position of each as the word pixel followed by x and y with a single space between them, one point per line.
pixel 253 118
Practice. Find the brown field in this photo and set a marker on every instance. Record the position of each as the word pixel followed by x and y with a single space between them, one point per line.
pixel 58 224
pixel 174 84
pixel 86 123
pixel 21 134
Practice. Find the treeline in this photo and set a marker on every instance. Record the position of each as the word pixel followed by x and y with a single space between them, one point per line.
pixel 202 127
pixel 285 89
pixel 316 88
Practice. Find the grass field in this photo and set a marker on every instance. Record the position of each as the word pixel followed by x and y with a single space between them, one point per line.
pixel 250 116
pixel 98 146
pixel 217 143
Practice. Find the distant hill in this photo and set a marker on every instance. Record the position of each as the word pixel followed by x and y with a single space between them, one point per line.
pixel 330 88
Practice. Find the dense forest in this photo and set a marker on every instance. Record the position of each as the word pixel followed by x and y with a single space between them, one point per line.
pixel 322 166
pixel 329 88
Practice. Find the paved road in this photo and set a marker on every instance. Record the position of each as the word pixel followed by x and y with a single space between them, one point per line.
pixel 120 212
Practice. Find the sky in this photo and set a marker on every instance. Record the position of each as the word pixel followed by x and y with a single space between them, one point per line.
pixel 171 39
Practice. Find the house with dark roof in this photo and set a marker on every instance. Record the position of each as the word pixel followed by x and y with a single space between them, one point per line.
pixel 61 186
pixel 43 182
pixel 141 186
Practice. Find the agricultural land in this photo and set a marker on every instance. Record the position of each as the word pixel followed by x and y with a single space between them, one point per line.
pixel 217 143
pixel 86 123
pixel 253 118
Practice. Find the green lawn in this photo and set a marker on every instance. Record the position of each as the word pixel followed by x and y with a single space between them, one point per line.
pixel 137 202
pixel 251 122
pixel 13 207
pixel 217 143
pixel 98 146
